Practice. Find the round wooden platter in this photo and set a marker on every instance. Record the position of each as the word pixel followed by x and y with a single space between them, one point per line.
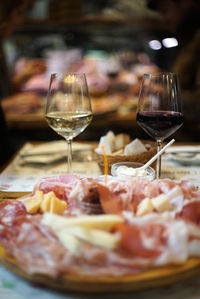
pixel 156 277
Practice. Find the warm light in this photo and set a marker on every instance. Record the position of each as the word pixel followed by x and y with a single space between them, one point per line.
pixel 155 44
pixel 170 42
pixel 69 79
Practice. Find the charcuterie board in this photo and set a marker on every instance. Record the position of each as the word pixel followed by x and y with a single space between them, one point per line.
pixel 152 278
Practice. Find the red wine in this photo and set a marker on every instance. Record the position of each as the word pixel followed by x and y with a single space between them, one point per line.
pixel 160 124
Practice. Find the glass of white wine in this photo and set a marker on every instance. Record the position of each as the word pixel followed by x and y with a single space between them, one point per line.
pixel 68 109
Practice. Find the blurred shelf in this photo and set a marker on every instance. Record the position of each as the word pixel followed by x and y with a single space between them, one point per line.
pixel 37 121
pixel 47 25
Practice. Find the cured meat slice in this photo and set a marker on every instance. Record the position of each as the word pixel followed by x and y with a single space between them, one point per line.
pixel 37 249
pixel 111 202
pixel 115 196
pixel 63 186
pixel 160 237
pixel 191 212
pixel 132 239
pixel 10 209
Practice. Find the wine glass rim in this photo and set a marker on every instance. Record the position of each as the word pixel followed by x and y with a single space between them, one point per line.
pixel 159 74
pixel 62 74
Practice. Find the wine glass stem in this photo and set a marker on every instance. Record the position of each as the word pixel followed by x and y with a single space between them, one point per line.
pixel 69 155
pixel 158 164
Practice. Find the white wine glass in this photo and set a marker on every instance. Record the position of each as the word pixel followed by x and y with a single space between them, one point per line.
pixel 159 110
pixel 68 109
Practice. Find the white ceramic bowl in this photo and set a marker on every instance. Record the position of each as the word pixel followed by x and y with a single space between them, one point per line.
pixel 126 169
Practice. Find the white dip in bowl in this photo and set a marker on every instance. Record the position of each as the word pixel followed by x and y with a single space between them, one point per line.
pixel 129 169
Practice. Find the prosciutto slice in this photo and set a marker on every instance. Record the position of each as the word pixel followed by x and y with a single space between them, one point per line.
pixel 160 237
pixel 120 195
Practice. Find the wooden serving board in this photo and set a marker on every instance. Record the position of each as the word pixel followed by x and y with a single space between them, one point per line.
pixel 156 277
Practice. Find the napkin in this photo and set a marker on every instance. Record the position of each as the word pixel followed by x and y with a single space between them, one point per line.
pixel 49 152
pixel 44 153
pixel 25 171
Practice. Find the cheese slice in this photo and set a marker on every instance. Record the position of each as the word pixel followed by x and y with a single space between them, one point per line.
pixel 95 237
pixel 70 242
pixel 161 203
pixel 144 207
pixel 32 204
pixel 175 192
pixel 105 222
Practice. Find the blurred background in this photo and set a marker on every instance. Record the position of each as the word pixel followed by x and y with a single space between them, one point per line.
pixel 114 42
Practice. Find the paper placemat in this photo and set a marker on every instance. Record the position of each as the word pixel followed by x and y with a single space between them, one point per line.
pixel 177 169
pixel 32 164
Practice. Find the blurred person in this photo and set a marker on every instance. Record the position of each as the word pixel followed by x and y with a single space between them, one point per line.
pixel 181 17
pixel 11 15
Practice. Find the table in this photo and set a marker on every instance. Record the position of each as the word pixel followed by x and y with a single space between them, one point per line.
pixel 25 170
pixel 14 287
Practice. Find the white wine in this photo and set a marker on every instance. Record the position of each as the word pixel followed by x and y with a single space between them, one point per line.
pixel 69 124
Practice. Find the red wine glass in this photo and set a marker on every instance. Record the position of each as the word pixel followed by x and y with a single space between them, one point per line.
pixel 159 110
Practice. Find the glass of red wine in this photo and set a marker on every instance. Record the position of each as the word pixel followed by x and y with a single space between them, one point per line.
pixel 159 110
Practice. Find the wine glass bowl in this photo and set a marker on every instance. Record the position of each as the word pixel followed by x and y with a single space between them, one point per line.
pixel 68 109
pixel 159 110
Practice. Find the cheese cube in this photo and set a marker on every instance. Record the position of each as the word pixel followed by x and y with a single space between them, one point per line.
pixel 45 204
pixel 52 204
pixel 144 207
pixel 161 203
pixel 57 206
pixel 32 204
